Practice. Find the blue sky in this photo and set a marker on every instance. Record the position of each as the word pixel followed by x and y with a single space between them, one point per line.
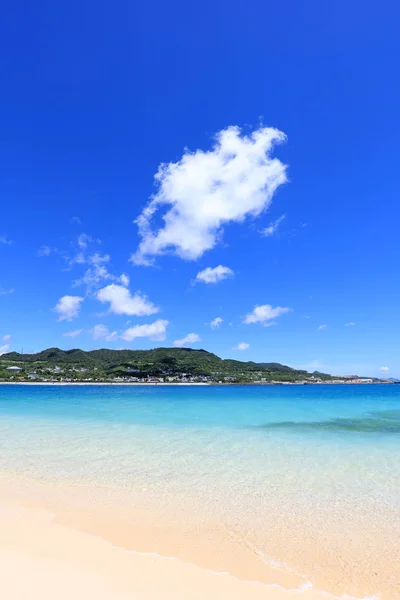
pixel 273 128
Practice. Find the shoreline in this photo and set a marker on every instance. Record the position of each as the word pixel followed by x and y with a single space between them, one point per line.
pixel 183 384
pixel 60 562
pixel 98 383
pixel 216 484
pixel 187 540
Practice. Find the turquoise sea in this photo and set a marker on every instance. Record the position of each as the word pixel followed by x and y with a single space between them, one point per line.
pixel 257 457
pixel 79 424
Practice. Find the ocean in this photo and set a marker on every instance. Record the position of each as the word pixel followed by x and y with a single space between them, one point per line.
pixel 306 477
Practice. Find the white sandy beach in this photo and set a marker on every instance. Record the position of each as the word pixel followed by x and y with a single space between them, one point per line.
pixel 43 560
pixel 74 543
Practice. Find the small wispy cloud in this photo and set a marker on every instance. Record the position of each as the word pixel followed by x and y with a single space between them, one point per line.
pixel 4 349
pixel 191 338
pixel 6 292
pixel 84 240
pixel 98 259
pixel 350 324
pixel 97 273
pixel 122 302
pixel 83 251
pixel 273 227
pixel 76 220
pixel 5 240
pixel 384 369
pixel 241 346
pixel 155 331
pixel 213 275
pixel 216 323
pixel 101 332
pixel 320 327
pixel 124 279
pixel 68 307
pixel 46 251
pixel 7 337
pixel 95 276
pixel 264 314
pixel 73 334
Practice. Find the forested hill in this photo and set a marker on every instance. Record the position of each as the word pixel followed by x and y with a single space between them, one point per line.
pixel 150 362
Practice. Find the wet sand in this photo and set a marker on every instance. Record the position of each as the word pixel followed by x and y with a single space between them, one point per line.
pixel 43 560
pixel 106 548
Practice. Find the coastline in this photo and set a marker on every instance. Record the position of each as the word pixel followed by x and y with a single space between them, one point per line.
pixel 206 478
pixel 157 546
pixel 99 383
pixel 184 384
pixel 60 562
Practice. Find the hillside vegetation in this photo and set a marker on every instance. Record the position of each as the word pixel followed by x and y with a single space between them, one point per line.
pixel 177 362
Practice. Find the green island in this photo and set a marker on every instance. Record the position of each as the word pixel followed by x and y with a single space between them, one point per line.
pixel 160 365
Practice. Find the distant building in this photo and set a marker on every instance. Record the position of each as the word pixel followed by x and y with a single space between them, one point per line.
pixel 14 369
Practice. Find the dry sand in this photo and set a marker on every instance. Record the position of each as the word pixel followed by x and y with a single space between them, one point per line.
pixel 82 542
pixel 43 560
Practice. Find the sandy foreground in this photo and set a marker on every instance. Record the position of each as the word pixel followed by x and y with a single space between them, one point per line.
pixel 73 542
pixel 44 560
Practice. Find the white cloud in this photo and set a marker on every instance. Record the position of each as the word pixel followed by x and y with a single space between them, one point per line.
pixel 384 369
pixel 76 220
pixel 264 314
pixel 213 275
pixel 101 332
pixel 124 279
pixel 82 252
pixel 351 324
pixel 45 251
pixel 73 334
pixel 154 331
pixel 98 259
pixel 320 327
pixel 273 227
pixel 123 303
pixel 95 276
pixel 84 240
pixel 204 191
pixel 4 292
pixel 79 259
pixel 68 307
pixel 191 338
pixel 81 249
pixel 5 240
pixel 241 346
pixel 215 323
pixel 5 347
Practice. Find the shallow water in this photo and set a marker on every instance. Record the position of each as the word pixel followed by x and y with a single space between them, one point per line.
pixel 180 433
